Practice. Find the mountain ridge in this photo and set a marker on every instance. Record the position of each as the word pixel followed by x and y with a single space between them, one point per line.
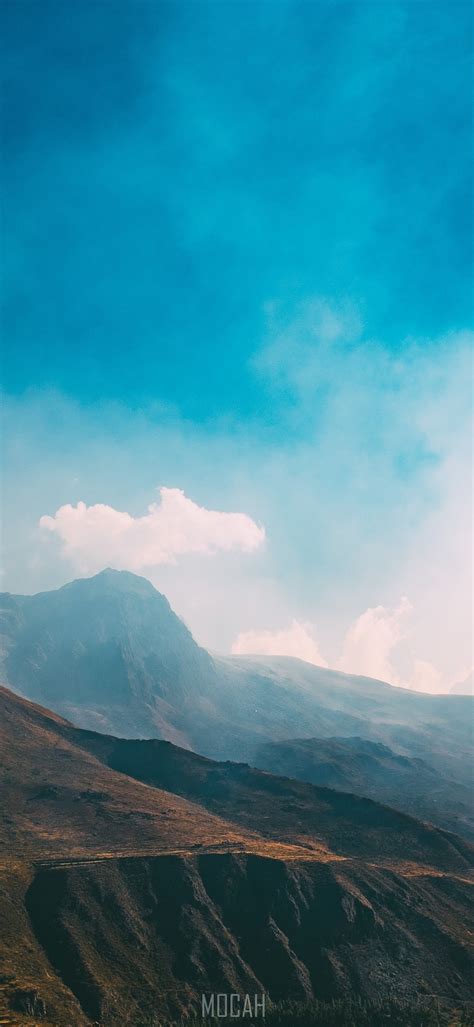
pixel 109 653
pixel 370 768
pixel 121 900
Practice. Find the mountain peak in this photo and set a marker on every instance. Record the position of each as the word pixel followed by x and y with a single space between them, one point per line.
pixel 117 580
pixel 101 641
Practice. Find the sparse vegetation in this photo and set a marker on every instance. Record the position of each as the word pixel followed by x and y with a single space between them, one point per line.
pixel 121 899
pixel 341 1013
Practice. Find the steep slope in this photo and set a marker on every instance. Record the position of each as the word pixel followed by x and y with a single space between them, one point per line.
pixel 372 769
pixel 59 799
pixel 284 697
pixel 108 646
pixel 240 882
pixel 281 808
pixel 67 791
pixel 109 653
pixel 170 929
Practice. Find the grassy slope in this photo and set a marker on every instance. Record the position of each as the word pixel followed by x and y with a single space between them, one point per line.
pixel 253 865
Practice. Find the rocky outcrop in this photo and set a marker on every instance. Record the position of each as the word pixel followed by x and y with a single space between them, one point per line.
pixel 133 937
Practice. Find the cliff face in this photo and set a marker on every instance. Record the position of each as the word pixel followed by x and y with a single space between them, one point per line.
pixel 134 937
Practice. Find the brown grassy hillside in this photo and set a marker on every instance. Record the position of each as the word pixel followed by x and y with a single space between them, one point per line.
pixel 121 898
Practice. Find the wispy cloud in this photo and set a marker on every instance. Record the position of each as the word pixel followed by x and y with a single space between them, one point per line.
pixel 99 535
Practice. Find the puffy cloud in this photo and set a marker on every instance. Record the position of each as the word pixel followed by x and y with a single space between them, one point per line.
pixel 465 686
pixel 369 649
pixel 295 640
pixel 370 640
pixel 97 536
pixel 426 678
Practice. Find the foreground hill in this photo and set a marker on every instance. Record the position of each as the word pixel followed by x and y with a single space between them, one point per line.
pixel 372 769
pixel 134 876
pixel 109 653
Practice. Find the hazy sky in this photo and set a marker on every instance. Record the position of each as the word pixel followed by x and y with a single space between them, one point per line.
pixel 237 269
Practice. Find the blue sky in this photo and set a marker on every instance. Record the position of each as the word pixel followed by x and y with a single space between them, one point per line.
pixel 238 263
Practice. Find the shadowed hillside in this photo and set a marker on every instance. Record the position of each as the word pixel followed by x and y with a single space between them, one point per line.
pixel 372 769
pixel 124 898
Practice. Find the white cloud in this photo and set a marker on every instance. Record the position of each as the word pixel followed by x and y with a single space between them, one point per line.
pixel 380 466
pixel 464 686
pixel 371 639
pixel 426 678
pixel 97 536
pixel 369 649
pixel 295 640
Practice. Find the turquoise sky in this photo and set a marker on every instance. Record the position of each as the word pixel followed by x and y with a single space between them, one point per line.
pixel 238 262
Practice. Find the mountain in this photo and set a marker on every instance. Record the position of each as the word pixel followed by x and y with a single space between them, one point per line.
pixel 372 769
pixel 109 653
pixel 108 649
pixel 135 876
pixel 283 697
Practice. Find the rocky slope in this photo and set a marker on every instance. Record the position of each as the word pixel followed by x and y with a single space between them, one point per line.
pixel 109 648
pixel 135 875
pixel 169 929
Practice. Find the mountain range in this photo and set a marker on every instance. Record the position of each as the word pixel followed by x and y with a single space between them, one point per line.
pixel 109 654
pixel 370 768
pixel 176 823
pixel 136 876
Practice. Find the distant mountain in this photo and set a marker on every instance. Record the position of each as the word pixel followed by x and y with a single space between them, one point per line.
pixel 134 876
pixel 109 653
pixel 282 697
pixel 372 769
pixel 108 650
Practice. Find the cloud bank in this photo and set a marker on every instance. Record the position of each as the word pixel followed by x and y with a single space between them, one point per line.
pixel 371 639
pixel 93 537
pixel 295 640
pixel 366 650
pixel 369 649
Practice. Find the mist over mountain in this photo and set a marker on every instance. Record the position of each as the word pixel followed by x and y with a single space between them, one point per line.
pixel 109 653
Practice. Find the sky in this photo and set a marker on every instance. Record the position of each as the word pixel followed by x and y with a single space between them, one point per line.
pixel 237 318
